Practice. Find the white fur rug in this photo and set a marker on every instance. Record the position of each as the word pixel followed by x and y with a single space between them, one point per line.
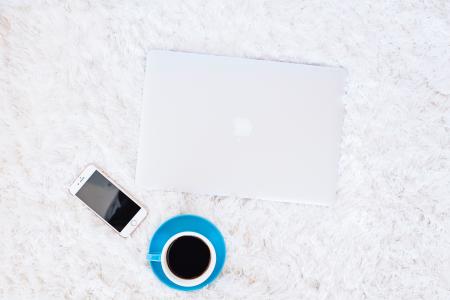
pixel 71 76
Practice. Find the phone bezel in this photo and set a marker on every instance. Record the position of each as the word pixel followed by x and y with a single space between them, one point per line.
pixel 81 180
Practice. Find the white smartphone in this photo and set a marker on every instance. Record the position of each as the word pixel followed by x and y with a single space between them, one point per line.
pixel 108 201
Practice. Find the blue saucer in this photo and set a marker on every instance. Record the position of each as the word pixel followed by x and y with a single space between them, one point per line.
pixel 182 223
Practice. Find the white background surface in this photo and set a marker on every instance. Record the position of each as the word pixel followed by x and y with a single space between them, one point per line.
pixel 71 76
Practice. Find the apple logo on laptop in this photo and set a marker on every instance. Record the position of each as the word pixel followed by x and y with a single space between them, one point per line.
pixel 242 127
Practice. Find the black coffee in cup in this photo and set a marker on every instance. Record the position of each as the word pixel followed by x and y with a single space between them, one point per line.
pixel 188 257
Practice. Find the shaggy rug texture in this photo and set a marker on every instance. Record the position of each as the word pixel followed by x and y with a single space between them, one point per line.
pixel 71 75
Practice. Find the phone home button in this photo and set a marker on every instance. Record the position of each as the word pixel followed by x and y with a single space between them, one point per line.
pixel 133 223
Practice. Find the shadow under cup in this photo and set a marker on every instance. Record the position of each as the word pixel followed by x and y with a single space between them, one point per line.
pixel 188 257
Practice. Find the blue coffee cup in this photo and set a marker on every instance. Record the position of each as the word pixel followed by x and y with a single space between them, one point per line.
pixel 187 227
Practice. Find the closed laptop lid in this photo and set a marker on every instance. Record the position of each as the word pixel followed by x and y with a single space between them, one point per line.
pixel 241 127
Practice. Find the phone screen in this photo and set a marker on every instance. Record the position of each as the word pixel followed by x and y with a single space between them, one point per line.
pixel 108 201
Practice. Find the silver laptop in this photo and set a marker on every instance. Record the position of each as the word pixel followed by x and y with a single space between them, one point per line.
pixel 240 127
